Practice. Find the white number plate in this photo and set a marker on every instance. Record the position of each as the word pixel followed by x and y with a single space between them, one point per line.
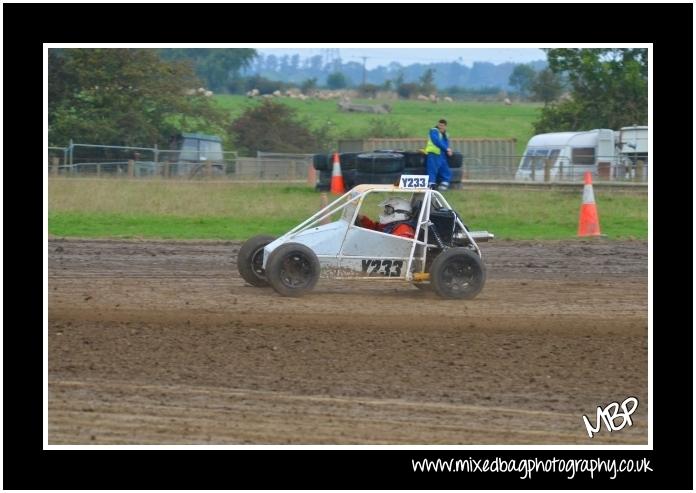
pixel 413 181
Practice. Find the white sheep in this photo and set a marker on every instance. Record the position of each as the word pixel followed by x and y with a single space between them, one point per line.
pixel 422 97
pixel 447 99
pixel 208 93
pixel 507 101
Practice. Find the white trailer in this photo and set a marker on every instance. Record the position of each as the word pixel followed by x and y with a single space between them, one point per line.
pixel 568 155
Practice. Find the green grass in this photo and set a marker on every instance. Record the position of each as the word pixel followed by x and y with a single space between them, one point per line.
pixel 465 119
pixel 219 210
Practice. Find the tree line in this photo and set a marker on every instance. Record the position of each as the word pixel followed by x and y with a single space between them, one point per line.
pixel 139 97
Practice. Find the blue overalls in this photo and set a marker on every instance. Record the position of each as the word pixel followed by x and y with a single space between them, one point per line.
pixel 436 160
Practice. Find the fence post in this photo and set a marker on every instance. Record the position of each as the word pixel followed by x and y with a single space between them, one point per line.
pixel 208 169
pixel 639 171
pixel 98 170
pixel 165 169
pixel 547 170
pixel 54 165
pixel 533 169
pixel 311 175
pixel 131 166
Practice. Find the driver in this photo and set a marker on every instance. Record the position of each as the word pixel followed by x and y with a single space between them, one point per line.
pixel 396 219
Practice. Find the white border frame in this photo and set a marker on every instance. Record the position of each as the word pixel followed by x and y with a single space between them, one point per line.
pixel 649 446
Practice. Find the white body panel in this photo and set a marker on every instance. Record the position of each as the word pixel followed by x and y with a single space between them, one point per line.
pixel 323 240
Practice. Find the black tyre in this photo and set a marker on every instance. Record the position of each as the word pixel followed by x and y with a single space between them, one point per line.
pixel 458 273
pixel 324 182
pixel 380 162
pixel 455 160
pixel 321 162
pixel 377 178
pixel 349 160
pixel 349 178
pixel 293 269
pixel 250 260
pixel 415 171
pixel 414 159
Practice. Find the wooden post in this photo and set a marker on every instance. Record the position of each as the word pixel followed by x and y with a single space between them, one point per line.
pixel 131 167
pixel 208 169
pixel 165 169
pixel 311 175
pixel 533 169
pixel 54 165
pixel 98 169
pixel 547 170
pixel 639 171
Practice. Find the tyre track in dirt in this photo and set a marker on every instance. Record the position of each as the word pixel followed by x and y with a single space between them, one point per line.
pixel 162 342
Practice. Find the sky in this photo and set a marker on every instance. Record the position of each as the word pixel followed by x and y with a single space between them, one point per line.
pixel 407 56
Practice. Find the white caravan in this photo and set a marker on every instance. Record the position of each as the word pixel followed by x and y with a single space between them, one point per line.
pixel 604 152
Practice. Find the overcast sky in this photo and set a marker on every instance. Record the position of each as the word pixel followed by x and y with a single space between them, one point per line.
pixel 407 56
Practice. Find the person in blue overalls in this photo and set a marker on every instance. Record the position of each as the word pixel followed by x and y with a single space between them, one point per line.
pixel 437 150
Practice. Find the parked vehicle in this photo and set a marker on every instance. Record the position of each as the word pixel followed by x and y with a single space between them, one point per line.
pixel 568 155
pixel 194 152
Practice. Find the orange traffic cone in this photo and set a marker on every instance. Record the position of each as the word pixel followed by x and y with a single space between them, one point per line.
pixel 589 220
pixel 337 186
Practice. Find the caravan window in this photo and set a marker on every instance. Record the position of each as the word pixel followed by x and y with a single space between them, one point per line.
pixel 583 155
pixel 536 156
pixel 553 155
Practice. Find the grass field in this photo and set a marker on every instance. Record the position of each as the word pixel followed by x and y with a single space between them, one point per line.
pixel 414 118
pixel 113 208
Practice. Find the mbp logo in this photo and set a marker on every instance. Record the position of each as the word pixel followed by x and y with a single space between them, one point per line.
pixel 609 414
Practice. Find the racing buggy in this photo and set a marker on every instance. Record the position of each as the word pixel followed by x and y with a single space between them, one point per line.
pixel 442 255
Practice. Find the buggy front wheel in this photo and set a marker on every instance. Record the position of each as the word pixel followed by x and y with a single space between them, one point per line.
pixel 292 269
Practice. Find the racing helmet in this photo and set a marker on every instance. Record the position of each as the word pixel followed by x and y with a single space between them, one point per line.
pixel 395 209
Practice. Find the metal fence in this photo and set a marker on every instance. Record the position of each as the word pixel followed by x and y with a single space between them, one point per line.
pixel 558 170
pixel 138 162
pixel 88 160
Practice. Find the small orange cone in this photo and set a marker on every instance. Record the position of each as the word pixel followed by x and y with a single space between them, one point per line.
pixel 589 220
pixel 337 186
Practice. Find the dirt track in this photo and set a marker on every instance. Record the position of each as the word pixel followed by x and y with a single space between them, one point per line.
pixel 162 342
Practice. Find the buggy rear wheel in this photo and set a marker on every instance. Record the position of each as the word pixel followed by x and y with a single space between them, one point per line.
pixel 458 273
pixel 293 269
